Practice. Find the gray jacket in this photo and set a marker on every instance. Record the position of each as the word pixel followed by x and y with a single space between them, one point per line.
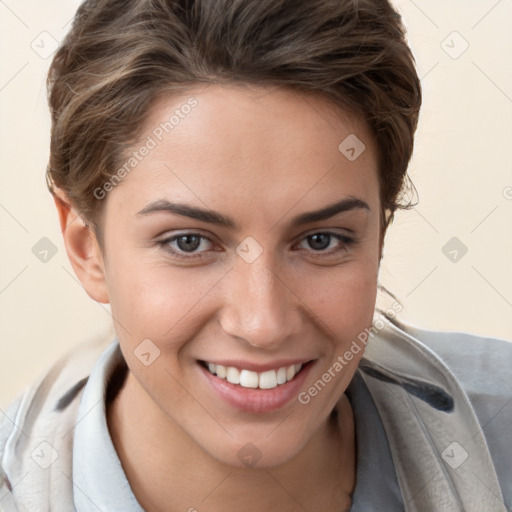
pixel 433 415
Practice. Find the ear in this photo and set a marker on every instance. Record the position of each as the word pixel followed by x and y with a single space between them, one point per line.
pixel 82 248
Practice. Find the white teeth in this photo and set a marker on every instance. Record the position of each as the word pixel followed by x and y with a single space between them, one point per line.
pixel 233 375
pixel 268 379
pixel 249 379
pixel 221 371
pixel 281 375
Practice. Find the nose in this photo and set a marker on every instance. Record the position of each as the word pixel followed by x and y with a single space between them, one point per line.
pixel 260 306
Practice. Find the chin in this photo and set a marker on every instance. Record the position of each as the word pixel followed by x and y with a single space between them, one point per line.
pixel 262 446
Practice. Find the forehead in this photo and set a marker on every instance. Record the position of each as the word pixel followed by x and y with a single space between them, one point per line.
pixel 245 116
pixel 243 145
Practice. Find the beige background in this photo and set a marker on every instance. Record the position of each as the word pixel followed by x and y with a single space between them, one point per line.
pixel 462 168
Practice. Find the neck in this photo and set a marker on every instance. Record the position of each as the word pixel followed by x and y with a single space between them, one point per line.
pixel 167 470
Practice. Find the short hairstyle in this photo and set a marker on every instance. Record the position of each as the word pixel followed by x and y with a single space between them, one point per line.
pixel 121 55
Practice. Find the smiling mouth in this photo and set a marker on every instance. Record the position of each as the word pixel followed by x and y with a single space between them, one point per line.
pixel 269 379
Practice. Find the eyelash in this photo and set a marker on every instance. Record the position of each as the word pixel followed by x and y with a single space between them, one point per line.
pixel 346 243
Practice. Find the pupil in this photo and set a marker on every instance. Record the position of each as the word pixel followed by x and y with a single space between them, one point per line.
pixel 191 242
pixel 320 241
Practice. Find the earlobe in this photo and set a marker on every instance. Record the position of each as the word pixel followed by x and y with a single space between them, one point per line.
pixel 83 249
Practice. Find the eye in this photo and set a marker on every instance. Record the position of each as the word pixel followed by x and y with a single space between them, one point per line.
pixel 185 245
pixel 323 240
pixel 189 245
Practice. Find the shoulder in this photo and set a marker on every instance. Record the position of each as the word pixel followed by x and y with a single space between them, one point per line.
pixel 44 412
pixel 482 365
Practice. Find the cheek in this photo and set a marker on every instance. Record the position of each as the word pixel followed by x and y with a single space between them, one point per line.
pixel 344 299
pixel 343 306
pixel 157 301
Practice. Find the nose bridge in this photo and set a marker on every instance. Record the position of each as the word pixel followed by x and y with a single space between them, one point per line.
pixel 259 307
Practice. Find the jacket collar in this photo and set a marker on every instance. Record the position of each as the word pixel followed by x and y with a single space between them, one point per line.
pixel 438 447
pixel 37 458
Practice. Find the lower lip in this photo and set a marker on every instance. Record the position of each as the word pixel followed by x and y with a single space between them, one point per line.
pixel 257 400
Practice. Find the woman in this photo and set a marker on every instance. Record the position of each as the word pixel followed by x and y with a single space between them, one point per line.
pixel 224 174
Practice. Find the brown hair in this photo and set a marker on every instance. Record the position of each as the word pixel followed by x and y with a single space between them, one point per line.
pixel 120 56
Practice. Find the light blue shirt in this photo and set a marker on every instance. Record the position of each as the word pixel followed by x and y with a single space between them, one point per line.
pixel 98 477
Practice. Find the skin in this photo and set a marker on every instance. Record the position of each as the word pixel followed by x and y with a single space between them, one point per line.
pixel 260 156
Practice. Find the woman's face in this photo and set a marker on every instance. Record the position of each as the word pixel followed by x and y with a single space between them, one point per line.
pixel 276 266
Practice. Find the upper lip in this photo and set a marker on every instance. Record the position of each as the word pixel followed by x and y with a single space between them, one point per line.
pixel 257 367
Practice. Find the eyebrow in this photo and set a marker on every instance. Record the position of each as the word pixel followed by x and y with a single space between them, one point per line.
pixel 163 206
